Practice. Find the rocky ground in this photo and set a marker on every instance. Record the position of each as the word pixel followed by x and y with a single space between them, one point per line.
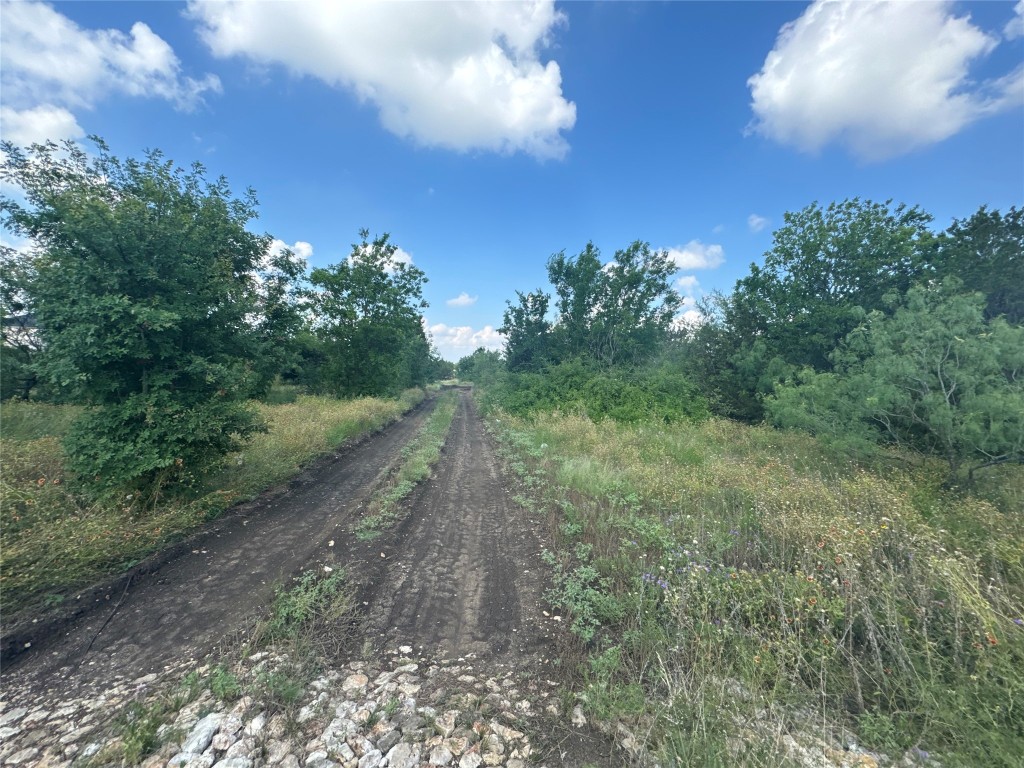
pixel 401 711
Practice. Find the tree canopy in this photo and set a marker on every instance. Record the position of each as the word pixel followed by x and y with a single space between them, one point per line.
pixel 366 318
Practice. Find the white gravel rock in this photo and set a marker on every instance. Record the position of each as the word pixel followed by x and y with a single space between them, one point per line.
pixel 201 736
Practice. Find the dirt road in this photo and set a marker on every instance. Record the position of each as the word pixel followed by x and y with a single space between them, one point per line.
pixel 183 608
pixel 458 585
pixel 461 575
pixel 464 576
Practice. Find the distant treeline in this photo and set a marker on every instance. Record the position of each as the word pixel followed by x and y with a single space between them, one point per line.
pixel 861 325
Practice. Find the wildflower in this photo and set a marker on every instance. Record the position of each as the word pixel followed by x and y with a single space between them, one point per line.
pixel 991 638
pixel 812 601
pixel 1019 622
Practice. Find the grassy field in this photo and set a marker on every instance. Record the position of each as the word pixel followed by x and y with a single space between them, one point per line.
pixel 732 587
pixel 51 542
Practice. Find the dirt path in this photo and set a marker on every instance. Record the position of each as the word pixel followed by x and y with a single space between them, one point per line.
pixel 464 576
pixel 453 614
pixel 183 608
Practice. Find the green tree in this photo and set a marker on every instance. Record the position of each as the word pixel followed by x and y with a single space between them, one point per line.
pixel 527 332
pixel 934 375
pixel 827 267
pixel 483 367
pixel 153 304
pixel 367 318
pixel 986 252
pixel 18 333
pixel 616 313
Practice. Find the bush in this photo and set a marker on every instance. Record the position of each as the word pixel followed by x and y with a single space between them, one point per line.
pixel 150 441
pixel 624 396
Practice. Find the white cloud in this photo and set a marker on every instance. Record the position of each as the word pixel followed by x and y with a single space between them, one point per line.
pixel 718 229
pixel 462 300
pixel 461 76
pixel 756 223
pixel 301 250
pixel 688 320
pixel 697 255
pixel 880 78
pixel 1015 27
pixel 38 124
pixel 455 342
pixel 49 66
pixel 688 284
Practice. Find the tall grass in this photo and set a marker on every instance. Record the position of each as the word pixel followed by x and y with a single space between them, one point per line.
pixel 51 541
pixel 733 586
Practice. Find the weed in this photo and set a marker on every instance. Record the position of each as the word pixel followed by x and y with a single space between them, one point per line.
pixel 224 684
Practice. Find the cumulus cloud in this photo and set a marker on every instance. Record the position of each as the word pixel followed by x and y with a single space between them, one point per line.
pixel 696 255
pixel 756 223
pixel 461 76
pixel 688 284
pixel 455 342
pixel 50 66
pixel 28 126
pixel 301 250
pixel 462 300
pixel 881 78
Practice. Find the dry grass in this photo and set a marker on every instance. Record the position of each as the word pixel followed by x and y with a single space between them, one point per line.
pixel 52 542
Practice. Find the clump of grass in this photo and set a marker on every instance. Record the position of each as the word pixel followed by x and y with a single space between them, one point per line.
pixel 309 623
pixel 53 541
pixel 729 585
pixel 29 420
pixel 421 453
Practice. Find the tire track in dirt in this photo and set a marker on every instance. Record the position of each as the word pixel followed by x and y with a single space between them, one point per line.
pixel 464 576
pixel 184 607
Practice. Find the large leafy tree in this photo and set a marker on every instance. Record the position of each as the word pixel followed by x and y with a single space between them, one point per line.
pixel 527 332
pixel 154 303
pixel 827 267
pixel 616 313
pixel 986 252
pixel 367 317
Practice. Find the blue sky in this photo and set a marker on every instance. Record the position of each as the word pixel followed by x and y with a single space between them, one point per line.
pixel 484 138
